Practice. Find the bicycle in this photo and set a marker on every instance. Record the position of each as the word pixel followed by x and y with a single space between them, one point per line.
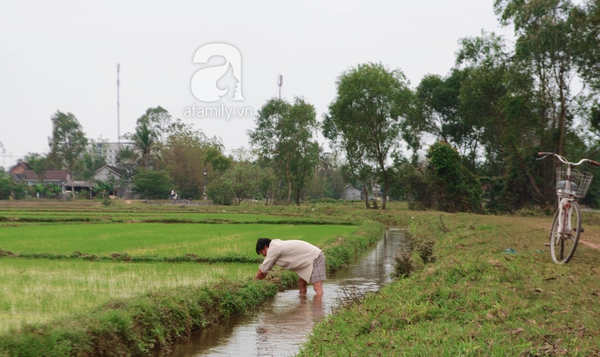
pixel 566 226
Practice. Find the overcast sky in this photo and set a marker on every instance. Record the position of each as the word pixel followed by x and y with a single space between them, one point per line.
pixel 62 55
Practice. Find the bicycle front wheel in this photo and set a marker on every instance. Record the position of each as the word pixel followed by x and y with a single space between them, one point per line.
pixel 563 242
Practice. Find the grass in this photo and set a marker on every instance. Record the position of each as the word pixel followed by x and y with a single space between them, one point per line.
pixel 59 307
pixel 477 299
pixel 45 294
pixel 492 290
pixel 156 239
pixel 39 290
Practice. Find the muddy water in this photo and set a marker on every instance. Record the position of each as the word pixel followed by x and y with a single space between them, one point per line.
pixel 281 326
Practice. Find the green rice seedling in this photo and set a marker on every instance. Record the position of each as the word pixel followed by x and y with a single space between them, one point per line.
pixel 155 239
pixel 35 290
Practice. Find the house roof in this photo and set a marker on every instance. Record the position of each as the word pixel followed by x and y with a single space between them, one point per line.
pixel 50 175
pixel 111 168
pixel 23 165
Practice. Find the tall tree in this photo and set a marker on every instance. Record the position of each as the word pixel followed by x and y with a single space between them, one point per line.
pixel 160 122
pixel 185 158
pixel 92 159
pixel 585 22
pixel 366 116
pixel 283 137
pixel 67 142
pixel 144 140
pixel 544 42
pixel 39 164
pixel 498 95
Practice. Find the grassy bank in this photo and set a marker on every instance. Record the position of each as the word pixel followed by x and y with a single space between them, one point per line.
pixel 492 291
pixel 140 316
pixel 135 326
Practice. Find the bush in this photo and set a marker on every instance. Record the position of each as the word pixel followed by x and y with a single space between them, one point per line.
pixel 453 186
pixel 403 265
pixel 152 183
pixel 220 192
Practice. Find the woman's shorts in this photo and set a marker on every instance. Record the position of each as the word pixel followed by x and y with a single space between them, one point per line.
pixel 319 273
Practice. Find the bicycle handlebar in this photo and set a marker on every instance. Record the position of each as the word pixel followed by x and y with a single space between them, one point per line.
pixel 544 154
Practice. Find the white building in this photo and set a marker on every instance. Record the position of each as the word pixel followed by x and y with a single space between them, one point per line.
pixel 111 149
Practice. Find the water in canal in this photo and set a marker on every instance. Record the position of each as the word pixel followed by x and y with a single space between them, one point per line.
pixel 280 326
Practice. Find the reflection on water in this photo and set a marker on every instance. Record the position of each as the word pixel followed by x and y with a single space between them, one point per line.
pixel 280 327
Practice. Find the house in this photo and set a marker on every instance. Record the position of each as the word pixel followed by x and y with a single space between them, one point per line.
pixel 114 175
pixel 108 173
pixel 19 168
pixel 351 193
pixel 30 178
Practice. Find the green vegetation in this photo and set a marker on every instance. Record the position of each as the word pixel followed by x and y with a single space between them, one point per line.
pixel 133 327
pixel 156 239
pixel 85 296
pixel 41 290
pixel 491 291
pixel 486 287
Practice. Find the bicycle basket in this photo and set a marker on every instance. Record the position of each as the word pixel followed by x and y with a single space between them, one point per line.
pixel 580 181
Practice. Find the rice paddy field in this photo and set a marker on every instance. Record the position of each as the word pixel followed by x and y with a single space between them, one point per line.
pixel 40 290
pixel 36 289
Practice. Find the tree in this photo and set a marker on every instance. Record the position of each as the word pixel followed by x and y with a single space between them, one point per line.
pixel 144 139
pixel 39 164
pixel 185 157
pixel 283 137
pixel 366 116
pixel 152 183
pixel 455 188
pixel 544 43
pixel 67 143
pixel 498 94
pixel 160 122
pixel 6 184
pixel 267 183
pixel 243 180
pixel 92 159
pixel 127 160
pixel 585 22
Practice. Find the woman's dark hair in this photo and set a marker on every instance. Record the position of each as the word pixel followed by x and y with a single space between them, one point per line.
pixel 261 243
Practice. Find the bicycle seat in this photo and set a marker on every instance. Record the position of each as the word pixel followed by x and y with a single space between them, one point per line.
pixel 562 185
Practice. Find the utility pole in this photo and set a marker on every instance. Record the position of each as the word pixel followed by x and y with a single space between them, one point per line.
pixel 118 110
pixel 280 83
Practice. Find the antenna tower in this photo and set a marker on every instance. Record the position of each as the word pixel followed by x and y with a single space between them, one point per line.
pixel 118 109
pixel 280 83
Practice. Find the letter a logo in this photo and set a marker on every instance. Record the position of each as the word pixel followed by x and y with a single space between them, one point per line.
pixel 204 82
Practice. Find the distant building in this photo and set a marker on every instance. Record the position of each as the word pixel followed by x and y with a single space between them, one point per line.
pixel 111 149
pixel 29 177
pixel 108 173
pixel 20 167
pixel 351 193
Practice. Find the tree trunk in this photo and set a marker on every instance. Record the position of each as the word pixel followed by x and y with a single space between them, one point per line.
pixel 366 194
pixel 289 179
pixel 384 195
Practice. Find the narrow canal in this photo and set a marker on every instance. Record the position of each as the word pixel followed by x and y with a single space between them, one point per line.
pixel 281 326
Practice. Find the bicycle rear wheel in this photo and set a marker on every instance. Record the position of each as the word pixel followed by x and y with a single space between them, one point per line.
pixel 563 244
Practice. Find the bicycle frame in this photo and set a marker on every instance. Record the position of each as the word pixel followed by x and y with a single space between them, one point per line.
pixel 564 199
pixel 566 228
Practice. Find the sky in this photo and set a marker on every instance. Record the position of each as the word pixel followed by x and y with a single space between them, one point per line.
pixel 63 55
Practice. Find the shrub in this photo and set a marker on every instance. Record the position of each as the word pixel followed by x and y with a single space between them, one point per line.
pixel 454 187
